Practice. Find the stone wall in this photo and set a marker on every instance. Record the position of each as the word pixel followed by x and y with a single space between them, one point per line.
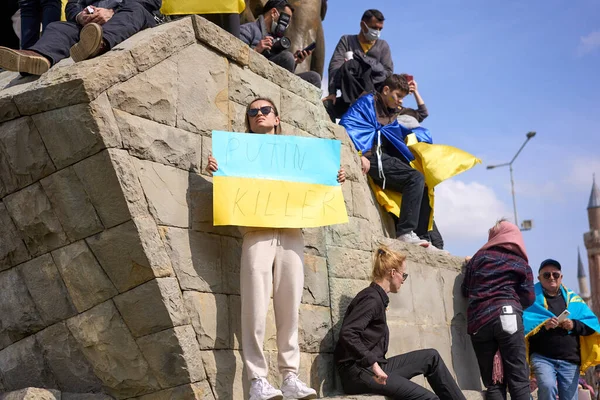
pixel 112 277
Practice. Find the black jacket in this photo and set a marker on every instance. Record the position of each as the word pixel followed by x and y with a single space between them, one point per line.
pixel 74 7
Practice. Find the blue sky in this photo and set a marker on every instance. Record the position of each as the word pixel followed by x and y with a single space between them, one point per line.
pixel 489 73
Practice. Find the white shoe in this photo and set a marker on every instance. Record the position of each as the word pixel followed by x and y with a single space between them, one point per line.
pixel 412 238
pixel 261 389
pixel 294 388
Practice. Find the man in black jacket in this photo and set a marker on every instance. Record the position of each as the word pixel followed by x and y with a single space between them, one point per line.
pixel 92 28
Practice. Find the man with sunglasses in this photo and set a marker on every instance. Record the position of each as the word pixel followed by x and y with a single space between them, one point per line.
pixel 555 326
pixel 259 35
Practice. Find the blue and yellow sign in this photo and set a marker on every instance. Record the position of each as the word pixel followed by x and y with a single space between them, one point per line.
pixel 276 181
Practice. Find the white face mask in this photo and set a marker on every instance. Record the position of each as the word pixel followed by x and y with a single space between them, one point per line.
pixel 372 34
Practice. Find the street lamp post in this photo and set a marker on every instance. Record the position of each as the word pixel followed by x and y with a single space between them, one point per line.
pixel 512 180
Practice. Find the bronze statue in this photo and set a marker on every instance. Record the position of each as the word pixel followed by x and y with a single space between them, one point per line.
pixel 306 27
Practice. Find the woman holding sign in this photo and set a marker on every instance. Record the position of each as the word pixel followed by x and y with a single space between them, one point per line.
pixel 272 261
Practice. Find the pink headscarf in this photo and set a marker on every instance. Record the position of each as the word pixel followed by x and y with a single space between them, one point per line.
pixel 507 236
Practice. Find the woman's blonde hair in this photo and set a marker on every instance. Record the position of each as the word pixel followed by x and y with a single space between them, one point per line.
pixel 384 261
pixel 275 111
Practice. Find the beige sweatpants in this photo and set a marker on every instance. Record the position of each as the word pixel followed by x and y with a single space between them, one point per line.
pixel 272 261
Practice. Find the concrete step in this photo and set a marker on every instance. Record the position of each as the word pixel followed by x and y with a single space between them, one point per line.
pixel 469 394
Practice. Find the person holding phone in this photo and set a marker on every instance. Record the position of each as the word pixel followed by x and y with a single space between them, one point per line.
pixel 271 263
pixel 498 285
pixel 556 327
pixel 360 353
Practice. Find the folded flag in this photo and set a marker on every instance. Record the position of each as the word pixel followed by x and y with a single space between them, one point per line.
pixel 178 7
pixel 276 181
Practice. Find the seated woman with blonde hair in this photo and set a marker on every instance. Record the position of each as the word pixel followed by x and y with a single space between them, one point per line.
pixel 364 338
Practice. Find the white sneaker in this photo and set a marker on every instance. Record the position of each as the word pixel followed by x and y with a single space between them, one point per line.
pixel 261 389
pixel 412 238
pixel 294 388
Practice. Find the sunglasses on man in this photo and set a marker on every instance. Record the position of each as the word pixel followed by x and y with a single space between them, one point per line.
pixel 265 110
pixel 554 274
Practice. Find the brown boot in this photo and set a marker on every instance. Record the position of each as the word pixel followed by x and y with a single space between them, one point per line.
pixel 25 61
pixel 90 43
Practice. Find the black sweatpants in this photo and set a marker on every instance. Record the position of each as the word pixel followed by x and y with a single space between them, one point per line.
pixel 400 369
pixel 229 22
pixel 129 19
pixel 486 343
pixel 286 60
pixel 402 178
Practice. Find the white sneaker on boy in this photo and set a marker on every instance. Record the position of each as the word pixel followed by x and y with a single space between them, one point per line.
pixel 412 238
pixel 294 388
pixel 261 389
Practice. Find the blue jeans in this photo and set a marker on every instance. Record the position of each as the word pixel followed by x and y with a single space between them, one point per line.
pixel 555 377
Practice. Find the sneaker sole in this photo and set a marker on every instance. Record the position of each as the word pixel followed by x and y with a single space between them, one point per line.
pixel 309 397
pixel 90 38
pixel 11 60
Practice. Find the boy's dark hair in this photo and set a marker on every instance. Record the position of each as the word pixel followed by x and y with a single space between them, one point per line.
pixel 395 82
pixel 279 5
pixel 372 14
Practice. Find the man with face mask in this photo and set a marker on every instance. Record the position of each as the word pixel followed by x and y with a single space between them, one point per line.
pixel 360 63
pixel 260 36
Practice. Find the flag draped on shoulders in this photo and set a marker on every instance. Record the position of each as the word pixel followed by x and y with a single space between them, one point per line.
pixel 182 7
pixel 537 314
pixel 436 162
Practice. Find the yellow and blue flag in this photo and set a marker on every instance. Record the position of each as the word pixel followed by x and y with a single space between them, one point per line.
pixel 276 181
pixel 179 7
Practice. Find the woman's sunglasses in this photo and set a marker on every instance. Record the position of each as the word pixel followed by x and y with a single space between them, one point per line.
pixel 266 110
pixel 547 275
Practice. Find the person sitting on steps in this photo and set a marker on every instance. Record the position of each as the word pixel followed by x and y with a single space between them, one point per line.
pixel 92 28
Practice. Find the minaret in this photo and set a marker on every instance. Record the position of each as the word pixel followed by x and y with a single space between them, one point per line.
pixel 592 244
pixel 582 278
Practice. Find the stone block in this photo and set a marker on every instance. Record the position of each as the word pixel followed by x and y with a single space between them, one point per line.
pixel 166 190
pixel 427 291
pixel 315 241
pixel 316 281
pixel 111 182
pixel 237 117
pixel 347 193
pixel 356 234
pixel 130 254
pixel 71 204
pixel 151 94
pixel 76 132
pixel 318 372
pixel 296 111
pixel 351 163
pixel 402 306
pixel 209 314
pixel 12 248
pixel 8 108
pixel 342 292
pixel 84 278
pixel 363 202
pixel 151 46
pixel 235 323
pixel 85 396
pixel 245 86
pixel 77 83
pixel 47 289
pixel 226 374
pixel 32 394
pixel 285 79
pixel 107 344
pixel 221 40
pixel 288 129
pixel 231 255
pixel 196 259
pixel 348 263
pixel 455 305
pixel 23 157
pixel 438 337
pixel 36 220
pixel 70 368
pixel 202 79
pixel 152 307
pixel 404 337
pixel 464 361
pixel 200 198
pixel 19 315
pixel 164 144
pixel 194 391
pixel 22 365
pixel 314 329
pixel 206 151
pixel 174 356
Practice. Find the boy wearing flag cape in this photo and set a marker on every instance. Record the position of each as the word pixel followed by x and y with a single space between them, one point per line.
pixel 562 335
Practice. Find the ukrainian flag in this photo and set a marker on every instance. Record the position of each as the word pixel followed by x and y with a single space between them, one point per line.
pixel 276 181
pixel 179 7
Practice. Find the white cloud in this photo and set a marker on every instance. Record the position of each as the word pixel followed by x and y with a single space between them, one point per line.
pixel 589 43
pixel 581 172
pixel 465 211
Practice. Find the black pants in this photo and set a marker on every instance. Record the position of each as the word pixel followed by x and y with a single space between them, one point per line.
pixel 286 60
pixel 401 177
pixel 128 20
pixel 229 22
pixel 8 37
pixel 33 14
pixel 353 78
pixel 486 343
pixel 400 369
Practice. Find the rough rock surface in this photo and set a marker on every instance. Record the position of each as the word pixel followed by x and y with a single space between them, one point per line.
pixel 113 281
